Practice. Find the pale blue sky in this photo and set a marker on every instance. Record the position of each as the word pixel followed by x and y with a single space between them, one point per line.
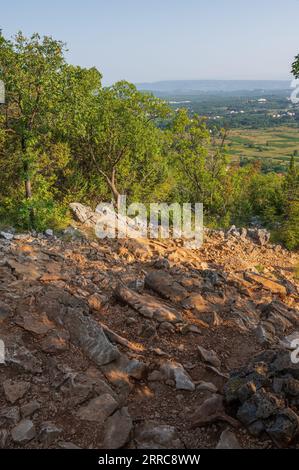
pixel 148 40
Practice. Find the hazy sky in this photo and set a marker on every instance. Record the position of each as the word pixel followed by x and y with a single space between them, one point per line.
pixel 148 40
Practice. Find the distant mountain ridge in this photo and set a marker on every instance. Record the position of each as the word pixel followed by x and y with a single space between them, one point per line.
pixel 183 86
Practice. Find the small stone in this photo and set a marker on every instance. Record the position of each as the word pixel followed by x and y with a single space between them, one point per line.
pixel 285 427
pixel 209 356
pixel 5 311
pixel 256 428
pixel 289 342
pixel 151 435
pixel 166 327
pixel 228 440
pixel 117 429
pixel 49 233
pixel 96 302
pixel 3 438
pixel 98 409
pixel 10 414
pixel 15 390
pixel 23 432
pixel 49 433
pixel 6 235
pixel 206 387
pixel 30 408
pixel 131 321
pixel 68 445
pixel 175 371
pixel 148 330
pixel 155 376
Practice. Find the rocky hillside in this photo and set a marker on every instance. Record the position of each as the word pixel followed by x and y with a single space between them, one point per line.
pixel 147 344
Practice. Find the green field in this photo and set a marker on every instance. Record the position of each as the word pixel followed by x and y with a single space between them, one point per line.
pixel 273 146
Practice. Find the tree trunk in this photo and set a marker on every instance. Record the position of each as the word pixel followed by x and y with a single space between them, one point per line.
pixel 113 187
pixel 28 188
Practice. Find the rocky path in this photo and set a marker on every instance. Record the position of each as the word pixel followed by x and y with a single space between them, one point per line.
pixel 146 344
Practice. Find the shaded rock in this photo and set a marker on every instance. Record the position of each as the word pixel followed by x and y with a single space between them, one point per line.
pixel 83 387
pixel 49 432
pixel 18 355
pixel 98 409
pixel 247 413
pixel 190 329
pixel 283 364
pixel 277 310
pixel 147 305
pixel 3 438
pixel 23 432
pixel 14 390
pixel 30 408
pixel 162 263
pixel 265 333
pixel 148 329
pixel 228 440
pixel 259 236
pixel 266 283
pixel 10 415
pixel 210 411
pixel 256 428
pixel 285 428
pixel 5 311
pixel 175 371
pixel 209 356
pixel 164 284
pixel 117 430
pixel 166 328
pixel 151 435
pixel 69 445
pixel 206 387
pixel 267 404
pixel 6 235
pixel 32 322
pixel 288 342
pixel 65 309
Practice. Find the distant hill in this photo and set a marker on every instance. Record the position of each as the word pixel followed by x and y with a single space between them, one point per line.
pixel 185 86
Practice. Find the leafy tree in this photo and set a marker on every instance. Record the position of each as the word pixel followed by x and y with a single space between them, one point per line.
pixel 121 140
pixel 295 67
pixel 44 101
pixel 202 163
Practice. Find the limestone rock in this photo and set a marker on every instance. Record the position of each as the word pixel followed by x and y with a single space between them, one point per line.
pixel 98 409
pixel 151 435
pixel 228 440
pixel 23 432
pixel 147 305
pixel 175 371
pixel 209 356
pixel 117 430
pixel 14 390
pixel 49 432
pixel 64 309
